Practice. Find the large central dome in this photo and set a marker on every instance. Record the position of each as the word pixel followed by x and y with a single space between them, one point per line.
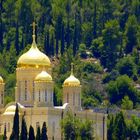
pixel 34 57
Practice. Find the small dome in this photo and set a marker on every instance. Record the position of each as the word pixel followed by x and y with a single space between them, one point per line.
pixel 33 57
pixel 71 81
pixel 1 79
pixel 43 76
pixel 10 110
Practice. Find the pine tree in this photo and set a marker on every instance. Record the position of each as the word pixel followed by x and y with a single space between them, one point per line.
pixel 44 132
pixel 5 137
pixel 31 133
pixel 23 135
pixel 38 135
pixel 15 131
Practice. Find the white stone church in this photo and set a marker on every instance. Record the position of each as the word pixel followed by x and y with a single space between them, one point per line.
pixel 34 95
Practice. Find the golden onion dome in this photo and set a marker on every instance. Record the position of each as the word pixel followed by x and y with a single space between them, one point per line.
pixel 43 76
pixel 71 80
pixel 1 79
pixel 33 57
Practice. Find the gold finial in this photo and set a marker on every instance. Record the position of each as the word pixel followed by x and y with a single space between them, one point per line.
pixel 33 25
pixel 72 68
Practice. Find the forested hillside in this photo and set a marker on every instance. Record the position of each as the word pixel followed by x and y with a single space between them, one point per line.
pixel 101 37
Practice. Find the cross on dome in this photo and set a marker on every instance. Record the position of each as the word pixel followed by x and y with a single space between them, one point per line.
pixel 33 25
pixel 72 68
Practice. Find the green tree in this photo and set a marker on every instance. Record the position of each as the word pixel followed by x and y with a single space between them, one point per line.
pixel 38 135
pixel 68 127
pixel 121 128
pixel 44 132
pixel 23 135
pixel 15 130
pixel 131 33
pixel 117 128
pixel 127 66
pixel 31 133
pixel 62 40
pixel 111 41
pixel 121 87
pixel 110 127
pixel 133 128
pixel 74 128
pixel 86 130
pixel 126 103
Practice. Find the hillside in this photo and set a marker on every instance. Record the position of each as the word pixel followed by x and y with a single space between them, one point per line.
pixel 79 31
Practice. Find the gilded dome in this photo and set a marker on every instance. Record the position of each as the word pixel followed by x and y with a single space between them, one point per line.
pixel 71 80
pixel 43 76
pixel 10 110
pixel 34 57
pixel 1 79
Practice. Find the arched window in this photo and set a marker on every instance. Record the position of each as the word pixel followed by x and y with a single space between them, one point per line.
pixel 45 95
pixel 25 90
pixel 79 100
pixel 67 97
pixel 73 98
pixel 33 90
pixel 39 96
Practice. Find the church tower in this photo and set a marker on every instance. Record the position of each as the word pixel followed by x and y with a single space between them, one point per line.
pixel 43 90
pixel 2 84
pixel 72 91
pixel 29 65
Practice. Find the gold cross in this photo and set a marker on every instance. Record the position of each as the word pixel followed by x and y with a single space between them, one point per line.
pixel 34 25
pixel 72 67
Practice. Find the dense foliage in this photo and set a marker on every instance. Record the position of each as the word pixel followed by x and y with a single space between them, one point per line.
pixel 74 30
pixel 120 127
pixel 74 128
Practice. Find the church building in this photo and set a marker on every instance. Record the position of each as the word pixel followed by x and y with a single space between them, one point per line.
pixel 34 95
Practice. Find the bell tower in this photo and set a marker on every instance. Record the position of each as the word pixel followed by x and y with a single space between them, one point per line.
pixel 72 91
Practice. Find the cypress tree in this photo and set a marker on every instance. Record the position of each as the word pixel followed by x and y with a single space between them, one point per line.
pixel 44 132
pixel 62 40
pixel 15 131
pixel 52 45
pixel 57 49
pixel 16 39
pixel 38 135
pixel 75 42
pixel 5 137
pixel 68 8
pixel 31 133
pixel 47 43
pixel 95 20
pixel 23 135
